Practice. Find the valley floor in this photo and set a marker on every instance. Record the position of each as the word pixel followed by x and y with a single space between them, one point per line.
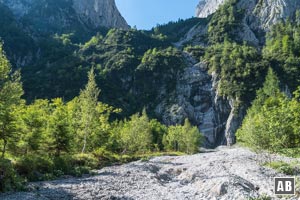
pixel 224 173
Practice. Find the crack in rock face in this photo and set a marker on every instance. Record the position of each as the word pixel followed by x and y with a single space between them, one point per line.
pixel 196 98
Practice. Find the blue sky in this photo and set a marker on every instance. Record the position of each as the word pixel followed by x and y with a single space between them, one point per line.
pixel 146 14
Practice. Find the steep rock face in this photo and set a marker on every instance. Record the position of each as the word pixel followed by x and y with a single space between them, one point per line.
pixel 259 16
pixel 93 13
pixel 207 7
pixel 196 98
pixel 26 23
pixel 99 13
pixel 258 13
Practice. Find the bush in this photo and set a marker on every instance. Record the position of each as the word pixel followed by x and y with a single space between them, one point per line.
pixel 106 157
pixel 285 168
pixel 184 138
pixel 85 160
pixel 76 165
pixel 9 180
pixel 35 167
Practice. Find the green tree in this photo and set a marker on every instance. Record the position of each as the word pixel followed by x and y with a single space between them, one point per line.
pixel 88 101
pixel 59 127
pixel 268 123
pixel 136 134
pixel 184 138
pixel 10 98
pixel 34 125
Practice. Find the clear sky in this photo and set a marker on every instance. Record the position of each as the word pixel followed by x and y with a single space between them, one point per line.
pixel 146 14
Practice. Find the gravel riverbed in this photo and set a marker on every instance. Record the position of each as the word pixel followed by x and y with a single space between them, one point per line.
pixel 225 173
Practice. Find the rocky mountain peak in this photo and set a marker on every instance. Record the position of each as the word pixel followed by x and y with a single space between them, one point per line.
pixel 99 13
pixel 92 13
pixel 258 13
pixel 207 7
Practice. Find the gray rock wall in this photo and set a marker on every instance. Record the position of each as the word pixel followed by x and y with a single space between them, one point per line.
pixel 197 99
pixel 99 13
pixel 259 13
pixel 93 13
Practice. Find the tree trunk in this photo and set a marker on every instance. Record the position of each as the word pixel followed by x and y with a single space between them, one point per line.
pixel 84 143
pixel 4 148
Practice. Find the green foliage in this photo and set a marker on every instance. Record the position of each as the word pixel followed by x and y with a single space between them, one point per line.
pixel 173 31
pixel 35 167
pixel 158 130
pixel 9 179
pixel 282 50
pixel 225 23
pixel 33 125
pixel 239 68
pixel 59 127
pixel 262 197
pixel 88 100
pixel 285 168
pixel 272 122
pixel 196 51
pixel 136 135
pixel 77 164
pixel 183 138
pixel 10 97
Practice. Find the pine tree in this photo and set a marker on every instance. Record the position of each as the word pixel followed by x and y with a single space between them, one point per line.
pixel 59 127
pixel 34 127
pixel 270 88
pixel 10 97
pixel 267 123
pixel 88 101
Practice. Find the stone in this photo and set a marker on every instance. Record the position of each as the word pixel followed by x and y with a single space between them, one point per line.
pixel 219 189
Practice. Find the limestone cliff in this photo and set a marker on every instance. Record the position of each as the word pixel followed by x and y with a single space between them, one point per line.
pixel 99 13
pixel 258 13
pixel 258 17
pixel 91 13
pixel 30 22
pixel 207 7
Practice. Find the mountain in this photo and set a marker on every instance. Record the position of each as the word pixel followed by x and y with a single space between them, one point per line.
pixel 258 16
pixel 206 69
pixel 198 95
pixel 91 14
pixel 261 13
pixel 207 7
pixel 31 21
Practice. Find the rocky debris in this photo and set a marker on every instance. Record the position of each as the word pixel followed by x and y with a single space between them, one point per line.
pixel 224 173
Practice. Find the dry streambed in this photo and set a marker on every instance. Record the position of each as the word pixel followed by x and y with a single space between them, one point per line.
pixel 225 173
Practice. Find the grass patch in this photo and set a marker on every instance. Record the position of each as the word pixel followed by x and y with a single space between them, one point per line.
pixel 285 168
pixel 290 152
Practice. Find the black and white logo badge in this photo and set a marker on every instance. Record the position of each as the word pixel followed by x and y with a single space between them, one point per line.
pixel 285 186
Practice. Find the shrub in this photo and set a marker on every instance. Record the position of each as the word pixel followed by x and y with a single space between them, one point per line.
pixel 184 138
pixel 76 165
pixel 9 180
pixel 35 167
pixel 105 157
pixel 85 160
pixel 285 168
